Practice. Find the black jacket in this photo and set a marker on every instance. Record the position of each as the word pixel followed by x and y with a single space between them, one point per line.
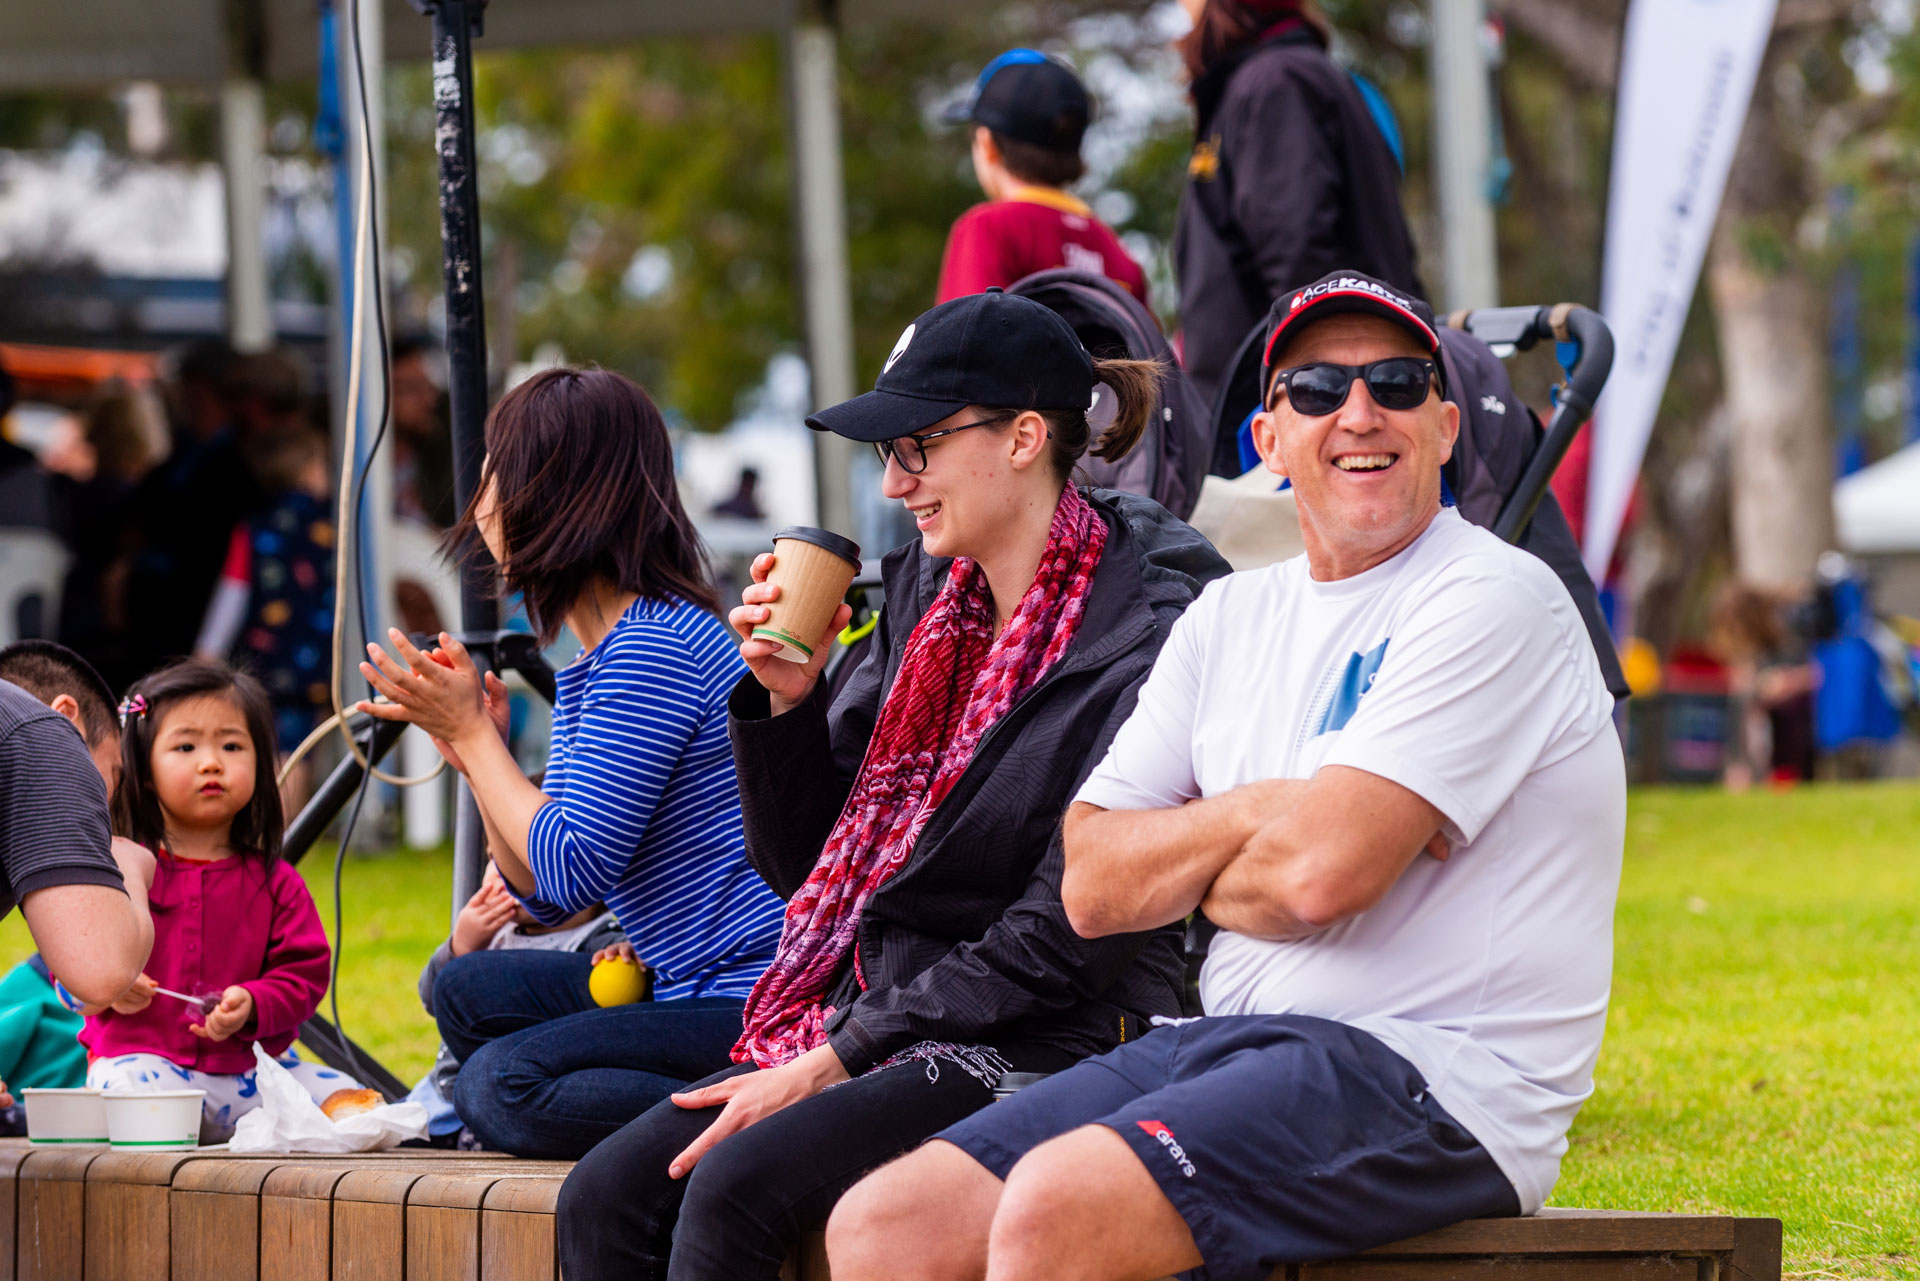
pixel 968 942
pixel 1290 179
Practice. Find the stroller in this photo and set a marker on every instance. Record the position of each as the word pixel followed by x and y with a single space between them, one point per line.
pixel 1504 458
pixel 1171 459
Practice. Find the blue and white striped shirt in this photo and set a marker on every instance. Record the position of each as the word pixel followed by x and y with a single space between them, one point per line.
pixel 645 814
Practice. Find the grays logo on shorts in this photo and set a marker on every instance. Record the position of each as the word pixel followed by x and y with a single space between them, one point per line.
pixel 1160 1132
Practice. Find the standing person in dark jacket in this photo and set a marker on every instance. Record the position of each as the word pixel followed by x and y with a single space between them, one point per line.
pixel 913 825
pixel 1290 177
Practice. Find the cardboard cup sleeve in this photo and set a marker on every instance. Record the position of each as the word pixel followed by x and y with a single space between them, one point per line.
pixel 813 568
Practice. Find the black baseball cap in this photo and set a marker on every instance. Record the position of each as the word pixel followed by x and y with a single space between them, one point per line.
pixel 1347 293
pixel 1027 96
pixel 992 349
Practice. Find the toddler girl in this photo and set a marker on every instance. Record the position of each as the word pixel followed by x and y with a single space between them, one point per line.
pixel 232 923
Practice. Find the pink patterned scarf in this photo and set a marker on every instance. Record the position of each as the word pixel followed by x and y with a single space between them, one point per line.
pixel 956 680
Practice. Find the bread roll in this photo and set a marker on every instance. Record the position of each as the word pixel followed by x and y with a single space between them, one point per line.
pixel 342 1104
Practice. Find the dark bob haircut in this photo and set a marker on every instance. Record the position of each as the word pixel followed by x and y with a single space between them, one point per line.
pixel 582 477
pixel 258 828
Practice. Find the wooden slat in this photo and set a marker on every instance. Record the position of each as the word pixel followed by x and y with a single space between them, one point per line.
pixel 215 1219
pixel 443 1226
pixel 370 1224
pixel 53 1214
pixel 296 1223
pixel 12 1153
pixel 1575 1232
pixel 128 1237
pixel 1631 1267
pixel 1756 1251
pixel 517 1241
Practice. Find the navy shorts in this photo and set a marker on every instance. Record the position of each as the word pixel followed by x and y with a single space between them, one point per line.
pixel 1278 1138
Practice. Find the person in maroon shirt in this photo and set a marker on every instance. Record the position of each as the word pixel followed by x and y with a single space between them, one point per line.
pixel 1029 114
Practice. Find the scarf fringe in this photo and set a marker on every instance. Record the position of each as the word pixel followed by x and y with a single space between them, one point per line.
pixel 981 1062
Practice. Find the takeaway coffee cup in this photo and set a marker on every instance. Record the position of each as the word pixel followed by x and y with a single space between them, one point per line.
pixel 154 1121
pixel 813 569
pixel 64 1117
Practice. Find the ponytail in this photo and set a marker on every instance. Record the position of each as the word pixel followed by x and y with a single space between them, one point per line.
pixel 1135 387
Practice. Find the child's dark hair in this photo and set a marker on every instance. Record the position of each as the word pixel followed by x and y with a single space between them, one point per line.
pixel 136 807
pixel 1044 166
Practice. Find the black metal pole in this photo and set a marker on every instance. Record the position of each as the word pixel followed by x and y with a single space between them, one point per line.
pixel 455 24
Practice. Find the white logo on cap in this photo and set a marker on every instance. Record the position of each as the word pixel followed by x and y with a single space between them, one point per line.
pixel 906 336
pixel 1344 284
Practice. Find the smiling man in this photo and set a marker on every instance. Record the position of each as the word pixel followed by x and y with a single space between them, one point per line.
pixel 1387 770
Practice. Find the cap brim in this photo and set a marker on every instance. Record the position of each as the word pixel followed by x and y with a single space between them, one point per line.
pixel 883 415
pixel 1350 303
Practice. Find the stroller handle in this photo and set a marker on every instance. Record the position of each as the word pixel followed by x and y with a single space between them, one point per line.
pixel 1520 328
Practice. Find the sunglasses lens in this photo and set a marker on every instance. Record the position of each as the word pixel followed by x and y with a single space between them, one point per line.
pixel 1318 389
pixel 1399 383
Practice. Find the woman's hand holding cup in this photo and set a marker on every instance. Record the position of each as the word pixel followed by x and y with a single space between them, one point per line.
pixel 787 683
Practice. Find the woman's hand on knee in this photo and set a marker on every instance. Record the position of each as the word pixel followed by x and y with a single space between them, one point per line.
pixel 787 684
pixel 754 1096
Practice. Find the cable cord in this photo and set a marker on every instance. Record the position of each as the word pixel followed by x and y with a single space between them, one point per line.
pixel 353 496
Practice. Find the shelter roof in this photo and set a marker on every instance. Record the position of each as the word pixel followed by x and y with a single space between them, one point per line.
pixel 105 42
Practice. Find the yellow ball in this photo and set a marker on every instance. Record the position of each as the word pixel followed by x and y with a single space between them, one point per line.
pixel 616 981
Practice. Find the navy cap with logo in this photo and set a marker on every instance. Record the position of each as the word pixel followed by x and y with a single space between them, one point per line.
pixel 1027 96
pixel 1348 293
pixel 993 349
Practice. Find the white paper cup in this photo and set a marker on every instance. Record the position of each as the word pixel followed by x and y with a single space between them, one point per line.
pixel 56 1116
pixel 155 1121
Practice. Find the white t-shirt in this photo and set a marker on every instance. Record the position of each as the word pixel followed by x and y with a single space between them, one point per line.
pixel 1460 670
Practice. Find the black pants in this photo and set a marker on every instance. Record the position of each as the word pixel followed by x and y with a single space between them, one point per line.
pixel 544 1072
pixel 754 1194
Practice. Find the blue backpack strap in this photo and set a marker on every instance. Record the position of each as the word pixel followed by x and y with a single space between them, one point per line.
pixel 1382 113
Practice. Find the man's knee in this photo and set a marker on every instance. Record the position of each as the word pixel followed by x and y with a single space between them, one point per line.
pixel 1062 1195
pixel 929 1209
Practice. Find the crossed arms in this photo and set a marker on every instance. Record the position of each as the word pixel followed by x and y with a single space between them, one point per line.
pixel 1280 859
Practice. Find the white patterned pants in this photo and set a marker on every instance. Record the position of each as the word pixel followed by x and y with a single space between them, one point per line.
pixel 230 1096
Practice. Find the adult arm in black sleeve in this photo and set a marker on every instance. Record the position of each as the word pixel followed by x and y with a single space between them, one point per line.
pixel 1287 181
pixel 1028 962
pixel 797 768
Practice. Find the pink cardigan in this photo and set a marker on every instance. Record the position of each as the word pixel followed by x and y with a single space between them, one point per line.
pixel 217 924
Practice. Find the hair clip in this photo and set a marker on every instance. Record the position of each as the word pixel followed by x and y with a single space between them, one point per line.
pixel 131 707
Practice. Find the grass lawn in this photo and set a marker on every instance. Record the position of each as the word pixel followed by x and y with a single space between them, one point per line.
pixel 1762 1055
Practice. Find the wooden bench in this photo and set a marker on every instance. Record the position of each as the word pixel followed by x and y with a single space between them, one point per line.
pixel 97 1215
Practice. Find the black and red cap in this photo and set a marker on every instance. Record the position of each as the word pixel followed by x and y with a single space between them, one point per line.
pixel 1348 293
pixel 994 349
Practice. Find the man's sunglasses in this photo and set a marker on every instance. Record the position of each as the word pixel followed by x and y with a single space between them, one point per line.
pixel 911 451
pixel 1398 382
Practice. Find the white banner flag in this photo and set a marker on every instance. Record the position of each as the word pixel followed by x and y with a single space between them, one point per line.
pixel 1686 75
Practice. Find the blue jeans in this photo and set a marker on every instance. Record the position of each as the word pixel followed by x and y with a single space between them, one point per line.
pixel 544 1072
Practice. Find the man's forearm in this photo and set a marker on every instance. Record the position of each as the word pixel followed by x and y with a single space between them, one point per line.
pixel 1130 870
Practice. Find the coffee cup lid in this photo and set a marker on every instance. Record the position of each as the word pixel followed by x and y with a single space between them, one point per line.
pixel 845 548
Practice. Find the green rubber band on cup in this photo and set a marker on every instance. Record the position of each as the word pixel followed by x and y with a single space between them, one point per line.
pixel 101 1139
pixel 775 634
pixel 156 1143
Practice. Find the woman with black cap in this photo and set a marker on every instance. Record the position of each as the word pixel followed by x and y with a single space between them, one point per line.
pixel 912 824
pixel 1290 177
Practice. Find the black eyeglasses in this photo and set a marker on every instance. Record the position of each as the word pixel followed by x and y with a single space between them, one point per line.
pixel 1398 382
pixel 911 451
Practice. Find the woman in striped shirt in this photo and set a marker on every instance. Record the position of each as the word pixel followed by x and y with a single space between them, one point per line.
pixel 639 808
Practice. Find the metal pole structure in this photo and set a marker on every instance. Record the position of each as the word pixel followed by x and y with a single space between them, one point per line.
pixel 1463 150
pixel 455 24
pixel 820 194
pixel 243 132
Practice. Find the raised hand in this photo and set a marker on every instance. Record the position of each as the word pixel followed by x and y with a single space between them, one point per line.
pixel 787 684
